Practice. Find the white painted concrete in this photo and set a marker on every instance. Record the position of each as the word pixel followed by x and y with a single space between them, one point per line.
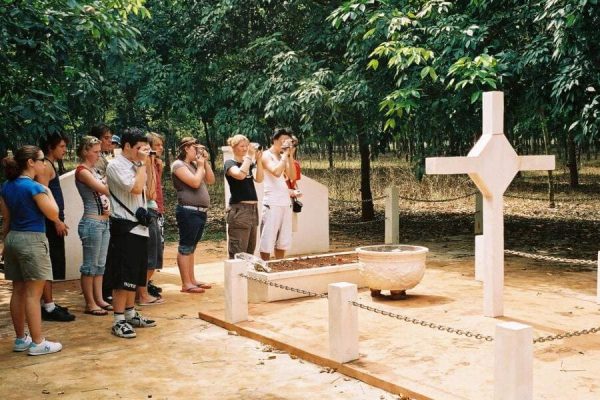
pixel 392 219
pixel 236 291
pixel 513 362
pixel 73 213
pixel 315 280
pixel 343 322
pixel 311 226
pixel 492 164
pixel 598 280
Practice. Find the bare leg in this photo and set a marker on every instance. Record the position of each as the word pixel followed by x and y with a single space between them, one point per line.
pixel 119 300
pixel 47 296
pixel 183 261
pixel 17 307
pixel 33 312
pixel 97 287
pixel 87 287
pixel 191 269
pixel 142 291
pixel 279 254
pixel 265 256
pixel 129 299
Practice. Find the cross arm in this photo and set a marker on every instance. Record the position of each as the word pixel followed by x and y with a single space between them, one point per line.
pixel 451 165
pixel 537 163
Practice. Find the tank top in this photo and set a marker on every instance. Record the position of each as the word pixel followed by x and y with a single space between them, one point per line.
pixel 275 189
pixel 94 203
pixel 54 186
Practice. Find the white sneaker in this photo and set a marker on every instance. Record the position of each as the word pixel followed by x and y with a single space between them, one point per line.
pixel 22 344
pixel 46 347
pixel 123 329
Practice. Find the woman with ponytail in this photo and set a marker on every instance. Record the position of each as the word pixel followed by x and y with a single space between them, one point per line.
pixel 25 203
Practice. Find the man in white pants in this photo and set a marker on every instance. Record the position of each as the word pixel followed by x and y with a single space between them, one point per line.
pixel 276 225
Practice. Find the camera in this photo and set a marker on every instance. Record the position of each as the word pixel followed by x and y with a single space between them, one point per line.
pixel 152 153
pixel 143 216
pixel 257 147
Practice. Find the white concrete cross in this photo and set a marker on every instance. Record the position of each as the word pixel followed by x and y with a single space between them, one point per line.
pixel 492 164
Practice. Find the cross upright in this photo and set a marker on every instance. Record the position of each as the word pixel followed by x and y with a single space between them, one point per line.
pixel 492 165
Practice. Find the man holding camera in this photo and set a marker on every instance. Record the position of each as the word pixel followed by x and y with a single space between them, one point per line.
pixel 276 225
pixel 128 248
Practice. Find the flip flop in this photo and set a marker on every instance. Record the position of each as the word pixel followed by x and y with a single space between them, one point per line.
pixel 193 289
pixel 157 300
pixel 97 313
pixel 107 307
pixel 203 285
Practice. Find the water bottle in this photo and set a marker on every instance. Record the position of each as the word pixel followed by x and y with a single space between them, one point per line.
pixel 258 263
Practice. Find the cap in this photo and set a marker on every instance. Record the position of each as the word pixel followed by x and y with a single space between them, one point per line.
pixel 116 139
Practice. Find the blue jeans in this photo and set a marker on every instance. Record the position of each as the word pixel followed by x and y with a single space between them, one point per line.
pixel 191 226
pixel 94 235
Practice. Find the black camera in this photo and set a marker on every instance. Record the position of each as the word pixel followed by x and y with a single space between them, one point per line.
pixel 152 153
pixel 143 216
pixel 257 146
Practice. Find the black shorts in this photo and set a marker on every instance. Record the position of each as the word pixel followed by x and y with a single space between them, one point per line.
pixel 156 243
pixel 127 256
pixel 56 246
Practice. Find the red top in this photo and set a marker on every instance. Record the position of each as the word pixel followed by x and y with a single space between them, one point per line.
pixel 160 200
pixel 292 183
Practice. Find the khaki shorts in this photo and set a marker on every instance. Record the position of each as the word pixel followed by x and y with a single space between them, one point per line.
pixel 26 257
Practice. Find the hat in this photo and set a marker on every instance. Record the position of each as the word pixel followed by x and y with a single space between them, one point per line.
pixel 116 139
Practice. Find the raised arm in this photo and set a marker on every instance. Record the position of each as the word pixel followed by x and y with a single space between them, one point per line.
pixel 85 176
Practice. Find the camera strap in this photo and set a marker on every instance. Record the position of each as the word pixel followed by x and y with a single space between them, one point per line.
pixel 123 205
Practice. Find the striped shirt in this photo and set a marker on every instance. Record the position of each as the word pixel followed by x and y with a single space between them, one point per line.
pixel 121 178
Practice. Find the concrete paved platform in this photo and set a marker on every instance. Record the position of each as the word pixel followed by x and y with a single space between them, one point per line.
pixel 185 357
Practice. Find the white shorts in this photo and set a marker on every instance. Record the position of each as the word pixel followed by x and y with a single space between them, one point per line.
pixel 276 228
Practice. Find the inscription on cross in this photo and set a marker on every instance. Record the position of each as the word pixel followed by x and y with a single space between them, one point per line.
pixel 492 165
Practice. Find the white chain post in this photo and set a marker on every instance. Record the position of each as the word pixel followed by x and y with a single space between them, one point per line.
pixel 343 322
pixel 392 218
pixel 513 362
pixel 479 265
pixel 236 291
pixel 598 281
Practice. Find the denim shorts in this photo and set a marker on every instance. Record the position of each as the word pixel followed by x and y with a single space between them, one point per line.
pixel 95 236
pixel 27 256
pixel 191 226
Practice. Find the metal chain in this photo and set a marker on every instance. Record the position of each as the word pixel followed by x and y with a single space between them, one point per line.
pixel 550 258
pixel 332 200
pixel 437 201
pixel 284 287
pixel 565 335
pixel 514 196
pixel 422 323
pixel 356 223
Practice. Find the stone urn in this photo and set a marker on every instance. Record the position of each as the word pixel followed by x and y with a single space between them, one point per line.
pixel 393 267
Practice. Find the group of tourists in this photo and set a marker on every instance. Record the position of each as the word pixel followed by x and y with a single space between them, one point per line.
pixel 122 221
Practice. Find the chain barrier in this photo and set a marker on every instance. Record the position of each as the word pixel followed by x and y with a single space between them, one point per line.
pixel 416 321
pixel 356 223
pixel 565 335
pixel 416 200
pixel 332 200
pixel 285 287
pixel 550 258
pixel 514 196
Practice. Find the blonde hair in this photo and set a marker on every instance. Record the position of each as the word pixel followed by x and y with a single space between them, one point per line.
pixel 237 139
pixel 86 143
pixel 153 137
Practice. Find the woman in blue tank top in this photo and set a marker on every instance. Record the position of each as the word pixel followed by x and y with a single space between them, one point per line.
pixel 25 203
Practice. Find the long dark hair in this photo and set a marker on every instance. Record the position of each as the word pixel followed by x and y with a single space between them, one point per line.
pixel 14 166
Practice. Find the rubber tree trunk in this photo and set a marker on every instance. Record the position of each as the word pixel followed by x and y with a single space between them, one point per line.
pixel 330 151
pixel 572 159
pixel 546 136
pixel 209 144
pixel 367 209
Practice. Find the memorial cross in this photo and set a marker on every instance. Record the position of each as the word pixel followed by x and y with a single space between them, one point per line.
pixel 492 164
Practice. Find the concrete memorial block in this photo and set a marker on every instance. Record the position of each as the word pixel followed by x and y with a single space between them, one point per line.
pixel 343 322
pixel 73 213
pixel 236 291
pixel 311 226
pixel 598 281
pixel 492 164
pixel 392 218
pixel 513 362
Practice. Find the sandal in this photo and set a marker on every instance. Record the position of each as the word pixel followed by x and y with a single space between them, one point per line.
pixel 107 307
pixel 97 312
pixel 203 285
pixel 193 289
pixel 157 300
